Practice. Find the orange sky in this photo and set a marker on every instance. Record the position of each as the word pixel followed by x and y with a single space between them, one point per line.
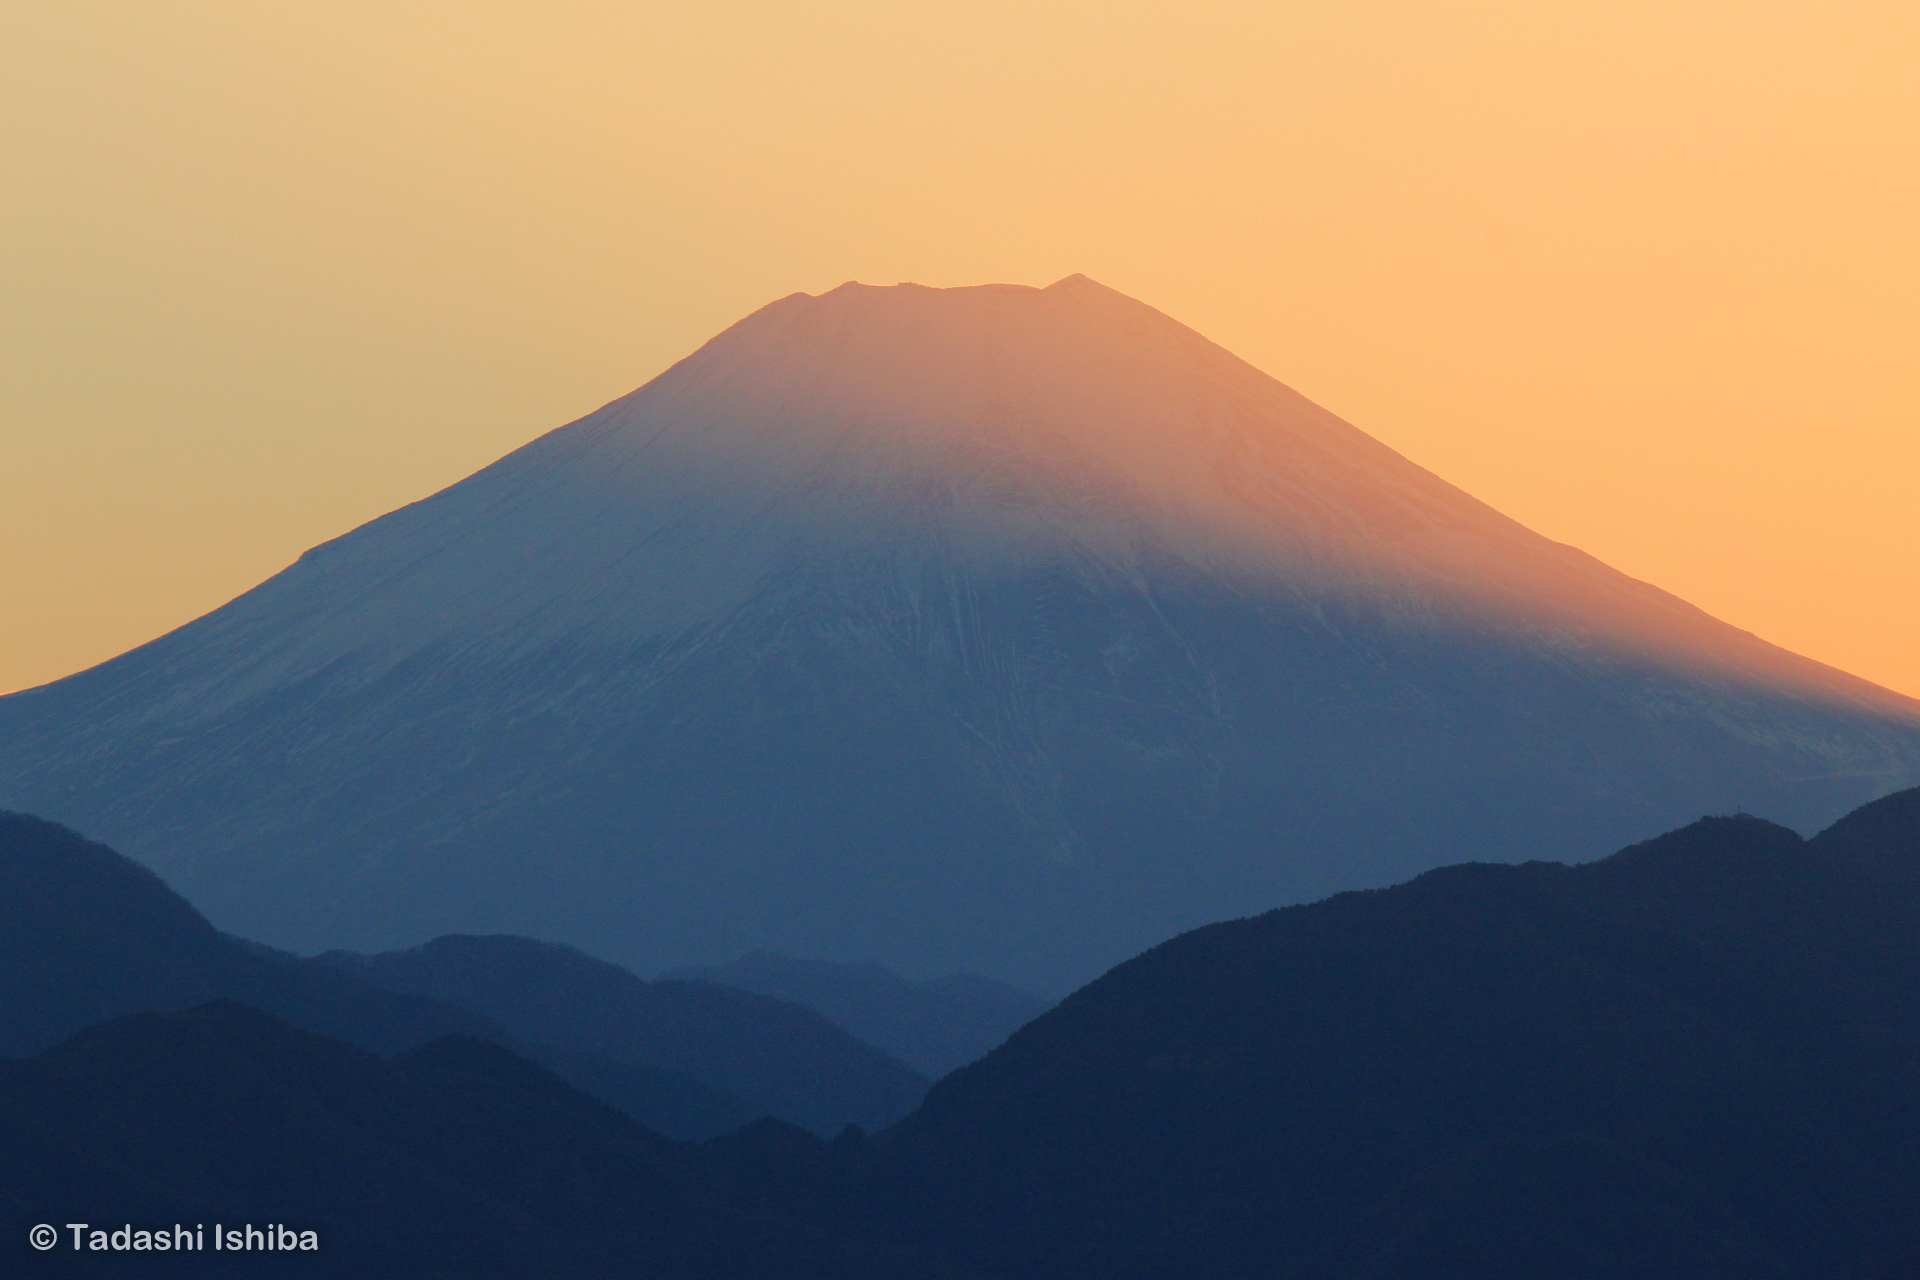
pixel 1642 275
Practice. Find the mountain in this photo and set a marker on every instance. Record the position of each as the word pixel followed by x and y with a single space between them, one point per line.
pixel 86 935
pixel 1695 1058
pixel 455 1158
pixel 780 1058
pixel 673 1104
pixel 934 1026
pixel 998 630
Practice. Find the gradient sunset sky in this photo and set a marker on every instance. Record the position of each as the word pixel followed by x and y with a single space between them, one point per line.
pixel 1644 276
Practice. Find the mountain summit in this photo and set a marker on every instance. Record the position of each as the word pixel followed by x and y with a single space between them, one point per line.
pixel 998 628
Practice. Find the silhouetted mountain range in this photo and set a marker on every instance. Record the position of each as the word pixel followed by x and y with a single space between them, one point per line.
pixel 454 1159
pixel 782 1058
pixel 995 630
pixel 87 935
pixel 934 1026
pixel 1696 1058
pixel 1691 1060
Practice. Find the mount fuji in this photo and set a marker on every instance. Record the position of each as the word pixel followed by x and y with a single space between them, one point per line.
pixel 997 629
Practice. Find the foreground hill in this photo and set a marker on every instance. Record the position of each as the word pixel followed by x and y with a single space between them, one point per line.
pixel 1696 1058
pixel 997 630
pixel 86 935
pixel 454 1159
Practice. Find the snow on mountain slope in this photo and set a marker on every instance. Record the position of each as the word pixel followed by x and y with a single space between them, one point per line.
pixel 996 628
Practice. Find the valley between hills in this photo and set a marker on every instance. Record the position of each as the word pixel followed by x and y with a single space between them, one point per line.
pixel 1693 1058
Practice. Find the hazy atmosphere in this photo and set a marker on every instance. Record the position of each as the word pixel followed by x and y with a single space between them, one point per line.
pixel 1641 276
pixel 960 642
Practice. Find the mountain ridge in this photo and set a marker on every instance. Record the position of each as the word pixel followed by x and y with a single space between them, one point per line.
pixel 453 1158
pixel 996 629
pixel 1691 1060
pixel 935 1025
pixel 1353 452
pixel 778 1054
pixel 1687 1059
pixel 87 935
